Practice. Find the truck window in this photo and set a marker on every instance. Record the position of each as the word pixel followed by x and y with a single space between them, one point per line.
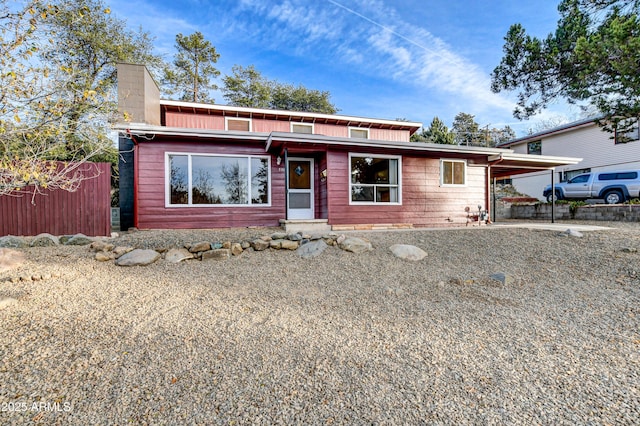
pixel 580 179
pixel 607 176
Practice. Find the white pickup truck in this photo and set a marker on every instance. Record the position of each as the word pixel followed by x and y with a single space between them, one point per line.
pixel 613 186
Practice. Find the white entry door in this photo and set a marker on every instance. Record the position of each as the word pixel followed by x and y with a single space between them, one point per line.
pixel 300 200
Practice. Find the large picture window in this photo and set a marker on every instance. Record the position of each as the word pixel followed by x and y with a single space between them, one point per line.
pixel 453 172
pixel 195 179
pixel 374 179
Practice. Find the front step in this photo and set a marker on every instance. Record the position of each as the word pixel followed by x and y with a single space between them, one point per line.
pixel 305 225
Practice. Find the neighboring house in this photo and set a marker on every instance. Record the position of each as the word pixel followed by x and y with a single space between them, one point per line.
pixel 188 165
pixel 600 151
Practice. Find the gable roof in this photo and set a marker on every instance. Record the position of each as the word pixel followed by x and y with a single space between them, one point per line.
pixel 553 131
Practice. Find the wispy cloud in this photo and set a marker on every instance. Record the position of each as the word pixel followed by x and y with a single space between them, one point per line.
pixel 372 29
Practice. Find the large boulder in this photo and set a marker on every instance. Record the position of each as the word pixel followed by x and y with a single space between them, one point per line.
pixel 355 245
pixel 408 252
pixel 138 257
pixel 79 240
pixel 13 242
pixel 45 240
pixel 311 249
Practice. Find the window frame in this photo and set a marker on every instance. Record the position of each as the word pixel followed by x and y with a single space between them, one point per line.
pixel 311 125
pixel 190 155
pixel 453 185
pixel 398 158
pixel 629 136
pixel 227 119
pixel 364 129
pixel 537 152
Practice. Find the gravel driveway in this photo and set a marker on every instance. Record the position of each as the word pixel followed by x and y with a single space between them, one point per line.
pixel 269 338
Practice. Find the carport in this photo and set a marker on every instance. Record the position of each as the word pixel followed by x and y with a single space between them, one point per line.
pixel 508 164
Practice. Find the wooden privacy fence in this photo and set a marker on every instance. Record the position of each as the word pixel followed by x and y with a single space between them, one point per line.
pixel 86 211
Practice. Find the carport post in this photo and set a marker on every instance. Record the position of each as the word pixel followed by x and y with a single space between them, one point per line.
pixel 553 198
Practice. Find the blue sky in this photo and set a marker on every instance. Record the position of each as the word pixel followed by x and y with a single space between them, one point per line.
pixel 412 59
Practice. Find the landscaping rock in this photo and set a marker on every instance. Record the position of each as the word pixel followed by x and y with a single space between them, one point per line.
pixel 79 240
pixel 278 235
pixel 218 254
pixel 294 237
pixel 101 246
pixel 571 233
pixel 178 255
pixel 312 249
pixel 45 240
pixel 236 249
pixel 275 244
pixel 138 257
pixel 355 245
pixel 504 279
pixel 198 247
pixel 120 250
pixel 13 242
pixel 408 252
pixel 104 256
pixel 289 245
pixel 260 244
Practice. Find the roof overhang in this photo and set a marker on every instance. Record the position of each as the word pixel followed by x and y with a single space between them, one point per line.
pixel 503 162
pixel 509 164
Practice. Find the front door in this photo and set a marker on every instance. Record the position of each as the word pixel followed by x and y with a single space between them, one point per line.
pixel 300 188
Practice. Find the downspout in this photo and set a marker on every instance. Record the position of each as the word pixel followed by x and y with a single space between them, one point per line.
pixel 286 184
pixel 136 171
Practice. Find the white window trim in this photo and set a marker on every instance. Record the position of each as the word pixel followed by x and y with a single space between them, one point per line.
pixel 293 123
pixel 226 122
pixel 167 180
pixel 374 203
pixel 453 185
pixel 366 129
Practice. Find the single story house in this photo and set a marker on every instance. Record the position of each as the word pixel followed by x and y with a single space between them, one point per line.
pixel 600 151
pixel 192 165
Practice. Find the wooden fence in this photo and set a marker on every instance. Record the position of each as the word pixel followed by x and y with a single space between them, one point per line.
pixel 86 211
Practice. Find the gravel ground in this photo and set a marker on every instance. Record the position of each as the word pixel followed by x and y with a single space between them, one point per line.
pixel 269 338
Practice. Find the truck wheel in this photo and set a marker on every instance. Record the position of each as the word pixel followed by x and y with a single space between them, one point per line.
pixel 613 197
pixel 550 197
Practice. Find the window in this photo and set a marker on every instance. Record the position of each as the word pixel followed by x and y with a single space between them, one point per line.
pixel 238 124
pixel 618 176
pixel 453 172
pixel 534 148
pixel 572 173
pixel 302 128
pixel 374 179
pixel 356 132
pixel 630 133
pixel 580 179
pixel 195 180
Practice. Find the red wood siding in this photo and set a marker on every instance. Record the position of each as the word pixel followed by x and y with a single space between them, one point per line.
pixel 217 122
pixel 424 202
pixel 86 211
pixel 268 126
pixel 194 121
pixel 151 210
pixel 389 135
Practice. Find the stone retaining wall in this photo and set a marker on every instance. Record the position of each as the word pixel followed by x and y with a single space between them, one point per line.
pixel 620 213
